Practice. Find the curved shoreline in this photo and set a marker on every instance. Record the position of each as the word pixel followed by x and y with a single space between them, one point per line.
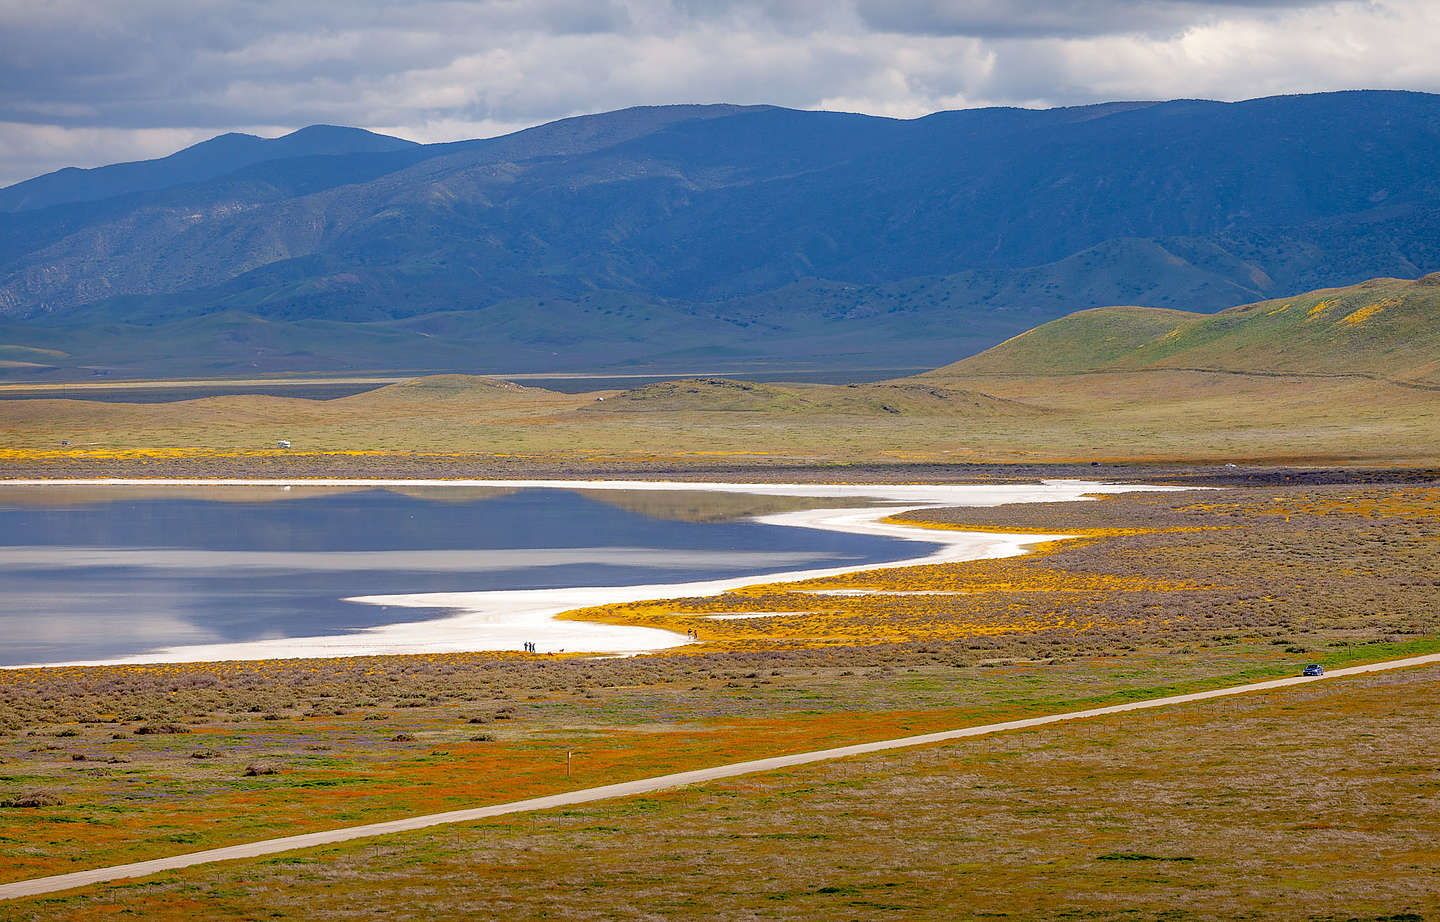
pixel 506 619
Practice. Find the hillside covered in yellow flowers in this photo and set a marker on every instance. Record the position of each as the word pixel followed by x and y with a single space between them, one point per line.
pixel 1384 329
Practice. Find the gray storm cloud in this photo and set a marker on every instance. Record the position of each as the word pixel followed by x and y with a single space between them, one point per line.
pixel 84 82
pixel 1060 18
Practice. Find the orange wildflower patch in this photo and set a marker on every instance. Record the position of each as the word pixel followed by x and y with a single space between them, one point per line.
pixel 102 825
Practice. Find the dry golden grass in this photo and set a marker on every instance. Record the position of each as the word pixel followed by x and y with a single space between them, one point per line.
pixel 1141 416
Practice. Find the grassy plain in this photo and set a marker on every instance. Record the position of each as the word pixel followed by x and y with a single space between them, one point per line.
pixel 1339 376
pixel 1166 593
pixel 450 426
pixel 1319 803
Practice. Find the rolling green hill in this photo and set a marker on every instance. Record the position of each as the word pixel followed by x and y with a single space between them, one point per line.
pixel 1386 329
pixel 1337 376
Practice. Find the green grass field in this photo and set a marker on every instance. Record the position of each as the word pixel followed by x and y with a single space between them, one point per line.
pixel 1385 329
pixel 1314 803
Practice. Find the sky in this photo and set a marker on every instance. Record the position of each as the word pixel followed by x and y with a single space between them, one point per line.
pixel 89 82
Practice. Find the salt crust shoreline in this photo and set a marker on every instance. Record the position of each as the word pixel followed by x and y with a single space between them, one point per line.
pixel 507 619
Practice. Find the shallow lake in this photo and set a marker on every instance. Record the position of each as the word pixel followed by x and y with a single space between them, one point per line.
pixel 100 573
pixel 121 392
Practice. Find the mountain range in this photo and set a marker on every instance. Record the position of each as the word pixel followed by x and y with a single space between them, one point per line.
pixel 681 236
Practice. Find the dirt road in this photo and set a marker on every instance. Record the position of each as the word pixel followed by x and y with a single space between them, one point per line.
pixel 43 885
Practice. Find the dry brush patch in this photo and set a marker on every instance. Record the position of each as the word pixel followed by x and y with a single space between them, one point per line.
pixel 1321 802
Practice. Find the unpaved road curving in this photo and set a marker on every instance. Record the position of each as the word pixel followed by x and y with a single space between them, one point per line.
pixel 41 885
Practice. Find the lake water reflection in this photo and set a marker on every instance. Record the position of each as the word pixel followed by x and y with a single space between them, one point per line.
pixel 98 573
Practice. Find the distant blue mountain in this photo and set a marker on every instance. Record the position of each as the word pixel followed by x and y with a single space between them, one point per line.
pixel 207 160
pixel 675 233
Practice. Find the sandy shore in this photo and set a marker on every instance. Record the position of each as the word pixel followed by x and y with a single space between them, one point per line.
pixel 507 619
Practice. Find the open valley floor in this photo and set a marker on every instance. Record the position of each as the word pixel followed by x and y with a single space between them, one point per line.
pixel 1161 593
pixel 720 461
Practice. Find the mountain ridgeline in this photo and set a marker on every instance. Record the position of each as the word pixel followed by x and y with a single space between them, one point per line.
pixel 686 235
pixel 207 160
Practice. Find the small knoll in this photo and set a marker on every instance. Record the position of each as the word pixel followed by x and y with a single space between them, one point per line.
pixel 446 388
pixel 720 395
pixel 1386 329
pixel 1078 342
pixel 707 394
pixel 926 398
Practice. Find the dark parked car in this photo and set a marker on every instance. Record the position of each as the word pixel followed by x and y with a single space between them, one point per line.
pixel 1313 669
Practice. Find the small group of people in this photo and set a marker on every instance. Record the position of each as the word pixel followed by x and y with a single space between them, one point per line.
pixel 693 634
pixel 530 647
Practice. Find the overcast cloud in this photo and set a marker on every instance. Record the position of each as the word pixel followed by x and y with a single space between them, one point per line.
pixel 86 82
